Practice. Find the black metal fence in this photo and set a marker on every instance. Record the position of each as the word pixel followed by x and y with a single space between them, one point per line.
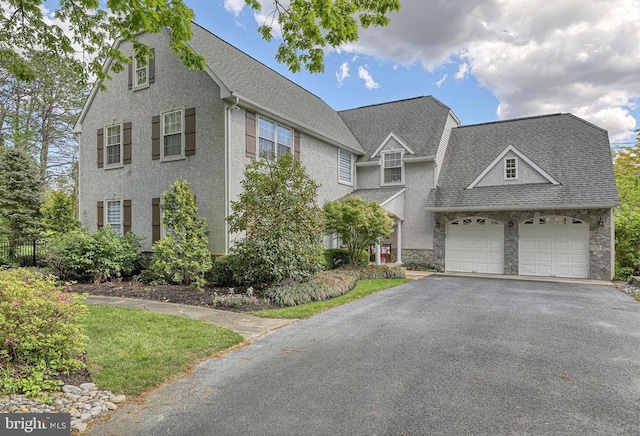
pixel 22 253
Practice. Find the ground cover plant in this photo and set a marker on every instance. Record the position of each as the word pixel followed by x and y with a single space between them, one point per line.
pixel 132 350
pixel 362 289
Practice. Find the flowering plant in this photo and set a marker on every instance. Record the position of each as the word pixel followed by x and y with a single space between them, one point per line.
pixel 41 331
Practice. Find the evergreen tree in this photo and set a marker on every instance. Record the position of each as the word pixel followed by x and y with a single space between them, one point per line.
pixel 182 256
pixel 20 196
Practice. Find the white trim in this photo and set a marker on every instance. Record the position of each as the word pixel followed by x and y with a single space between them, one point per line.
pixel 515 167
pixel 105 145
pixel 351 167
pixel 393 197
pixel 106 213
pixel 419 159
pixel 382 168
pixel 387 139
pixel 511 148
pixel 162 136
pixel 134 74
pixel 369 163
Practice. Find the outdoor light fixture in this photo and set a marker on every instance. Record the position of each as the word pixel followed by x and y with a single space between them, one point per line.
pixel 437 223
pixel 600 222
pixel 510 223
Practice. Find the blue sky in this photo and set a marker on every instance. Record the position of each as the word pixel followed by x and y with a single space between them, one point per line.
pixel 485 59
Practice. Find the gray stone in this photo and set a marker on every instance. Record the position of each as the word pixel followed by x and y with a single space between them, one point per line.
pixel 95 411
pixel 110 405
pixel 70 389
pixel 80 427
pixel 85 417
pixel 88 386
pixel 118 399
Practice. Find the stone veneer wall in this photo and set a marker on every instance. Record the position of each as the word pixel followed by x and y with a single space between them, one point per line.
pixel 410 255
pixel 600 244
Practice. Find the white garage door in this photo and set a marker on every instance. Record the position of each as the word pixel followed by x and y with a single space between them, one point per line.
pixel 475 245
pixel 554 246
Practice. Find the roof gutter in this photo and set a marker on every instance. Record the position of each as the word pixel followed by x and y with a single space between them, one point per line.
pixel 249 104
pixel 525 207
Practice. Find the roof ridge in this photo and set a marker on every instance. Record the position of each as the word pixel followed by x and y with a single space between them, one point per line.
pixel 393 102
pixel 514 119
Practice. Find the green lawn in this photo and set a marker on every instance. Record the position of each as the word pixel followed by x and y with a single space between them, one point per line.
pixel 637 297
pixel 362 289
pixel 131 350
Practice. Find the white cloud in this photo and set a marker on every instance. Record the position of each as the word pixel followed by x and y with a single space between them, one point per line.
pixel 234 6
pixel 364 74
pixel 441 81
pixel 536 57
pixel 342 73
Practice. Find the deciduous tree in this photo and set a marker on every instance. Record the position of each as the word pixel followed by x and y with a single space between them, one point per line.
pixel 307 27
pixel 358 222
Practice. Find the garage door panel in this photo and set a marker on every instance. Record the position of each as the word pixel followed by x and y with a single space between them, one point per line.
pixel 475 245
pixel 554 246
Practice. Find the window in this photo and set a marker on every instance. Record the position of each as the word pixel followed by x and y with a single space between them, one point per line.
pixel 392 167
pixel 172 135
pixel 511 168
pixel 140 73
pixel 344 167
pixel 113 149
pixel 113 215
pixel 274 139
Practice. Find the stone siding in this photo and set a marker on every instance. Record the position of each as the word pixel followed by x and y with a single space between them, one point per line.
pixel 600 243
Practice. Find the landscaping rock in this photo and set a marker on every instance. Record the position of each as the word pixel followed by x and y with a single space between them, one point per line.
pixel 70 389
pixel 118 399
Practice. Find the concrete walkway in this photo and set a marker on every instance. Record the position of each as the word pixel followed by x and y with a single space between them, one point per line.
pixel 248 326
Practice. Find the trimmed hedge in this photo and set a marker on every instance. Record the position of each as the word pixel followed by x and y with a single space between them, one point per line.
pixel 329 284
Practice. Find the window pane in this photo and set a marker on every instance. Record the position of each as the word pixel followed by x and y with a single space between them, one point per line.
pixel 113 154
pixel 392 175
pixel 345 166
pixel 173 145
pixel 392 160
pixel 284 136
pixel 173 122
pixel 266 148
pixel 114 215
pixel 266 129
pixel 141 76
pixel 113 135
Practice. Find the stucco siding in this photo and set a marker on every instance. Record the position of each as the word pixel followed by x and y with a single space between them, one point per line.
pixel 417 228
pixel 368 177
pixel 175 87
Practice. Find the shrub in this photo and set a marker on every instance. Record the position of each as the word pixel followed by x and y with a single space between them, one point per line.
pixel 338 257
pixel 278 222
pixel 182 256
pixel 423 266
pixel 222 272
pixel 100 255
pixel 42 331
pixel 329 284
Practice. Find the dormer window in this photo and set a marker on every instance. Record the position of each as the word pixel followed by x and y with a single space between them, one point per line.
pixel 511 168
pixel 392 168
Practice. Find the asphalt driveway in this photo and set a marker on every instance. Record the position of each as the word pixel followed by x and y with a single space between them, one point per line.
pixel 441 355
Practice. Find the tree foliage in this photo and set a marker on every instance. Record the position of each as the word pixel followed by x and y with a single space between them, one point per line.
pixel 281 222
pixel 38 115
pixel 627 215
pixel 20 196
pixel 307 26
pixel 58 213
pixel 182 256
pixel 358 222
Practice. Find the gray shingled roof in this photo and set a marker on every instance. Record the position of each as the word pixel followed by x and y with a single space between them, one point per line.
pixel 417 121
pixel 378 195
pixel 573 151
pixel 263 86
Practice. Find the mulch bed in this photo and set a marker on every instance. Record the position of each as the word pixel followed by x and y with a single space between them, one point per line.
pixel 168 294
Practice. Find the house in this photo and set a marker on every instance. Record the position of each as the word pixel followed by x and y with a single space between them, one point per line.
pixel 530 196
